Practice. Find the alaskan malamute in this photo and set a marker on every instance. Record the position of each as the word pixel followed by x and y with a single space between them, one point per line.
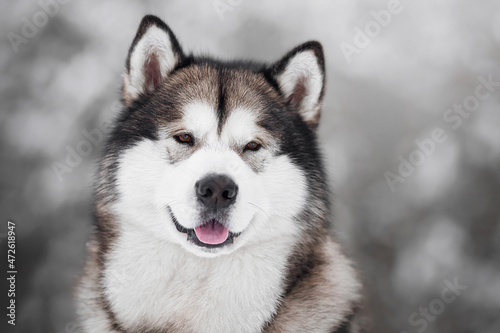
pixel 212 207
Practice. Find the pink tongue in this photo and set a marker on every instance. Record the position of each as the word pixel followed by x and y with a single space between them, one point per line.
pixel 212 233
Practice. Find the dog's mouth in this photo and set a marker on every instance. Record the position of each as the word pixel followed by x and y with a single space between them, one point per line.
pixel 211 234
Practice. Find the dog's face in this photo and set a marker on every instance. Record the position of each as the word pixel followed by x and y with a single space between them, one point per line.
pixel 214 156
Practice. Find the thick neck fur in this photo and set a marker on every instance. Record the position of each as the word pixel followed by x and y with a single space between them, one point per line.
pixel 159 284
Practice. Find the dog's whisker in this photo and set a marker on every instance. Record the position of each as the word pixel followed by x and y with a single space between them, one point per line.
pixel 262 210
pixel 189 172
pixel 247 178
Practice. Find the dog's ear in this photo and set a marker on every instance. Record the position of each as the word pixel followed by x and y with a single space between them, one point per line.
pixel 154 53
pixel 301 78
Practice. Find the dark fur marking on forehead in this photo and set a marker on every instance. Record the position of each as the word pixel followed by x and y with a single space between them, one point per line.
pixel 221 105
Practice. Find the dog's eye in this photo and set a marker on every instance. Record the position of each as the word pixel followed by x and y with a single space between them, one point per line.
pixel 184 138
pixel 253 146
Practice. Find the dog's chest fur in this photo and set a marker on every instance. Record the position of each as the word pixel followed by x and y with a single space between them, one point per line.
pixel 161 285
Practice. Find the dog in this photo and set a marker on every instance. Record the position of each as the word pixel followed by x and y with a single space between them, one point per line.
pixel 212 207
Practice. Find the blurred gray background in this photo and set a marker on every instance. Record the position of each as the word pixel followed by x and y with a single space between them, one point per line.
pixel 436 221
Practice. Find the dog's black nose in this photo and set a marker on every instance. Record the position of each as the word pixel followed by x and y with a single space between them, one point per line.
pixel 216 191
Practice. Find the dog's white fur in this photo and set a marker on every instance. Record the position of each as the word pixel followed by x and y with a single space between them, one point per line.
pixel 147 182
pixel 161 283
pixel 159 279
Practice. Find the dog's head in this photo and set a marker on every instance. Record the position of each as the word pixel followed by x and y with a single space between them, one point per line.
pixel 214 155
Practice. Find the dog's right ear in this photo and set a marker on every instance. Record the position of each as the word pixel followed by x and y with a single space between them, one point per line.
pixel 154 53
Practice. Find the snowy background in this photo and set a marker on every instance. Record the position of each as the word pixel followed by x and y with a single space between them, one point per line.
pixel 435 222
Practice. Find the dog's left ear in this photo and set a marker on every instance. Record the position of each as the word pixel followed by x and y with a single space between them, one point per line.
pixel 153 55
pixel 301 78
